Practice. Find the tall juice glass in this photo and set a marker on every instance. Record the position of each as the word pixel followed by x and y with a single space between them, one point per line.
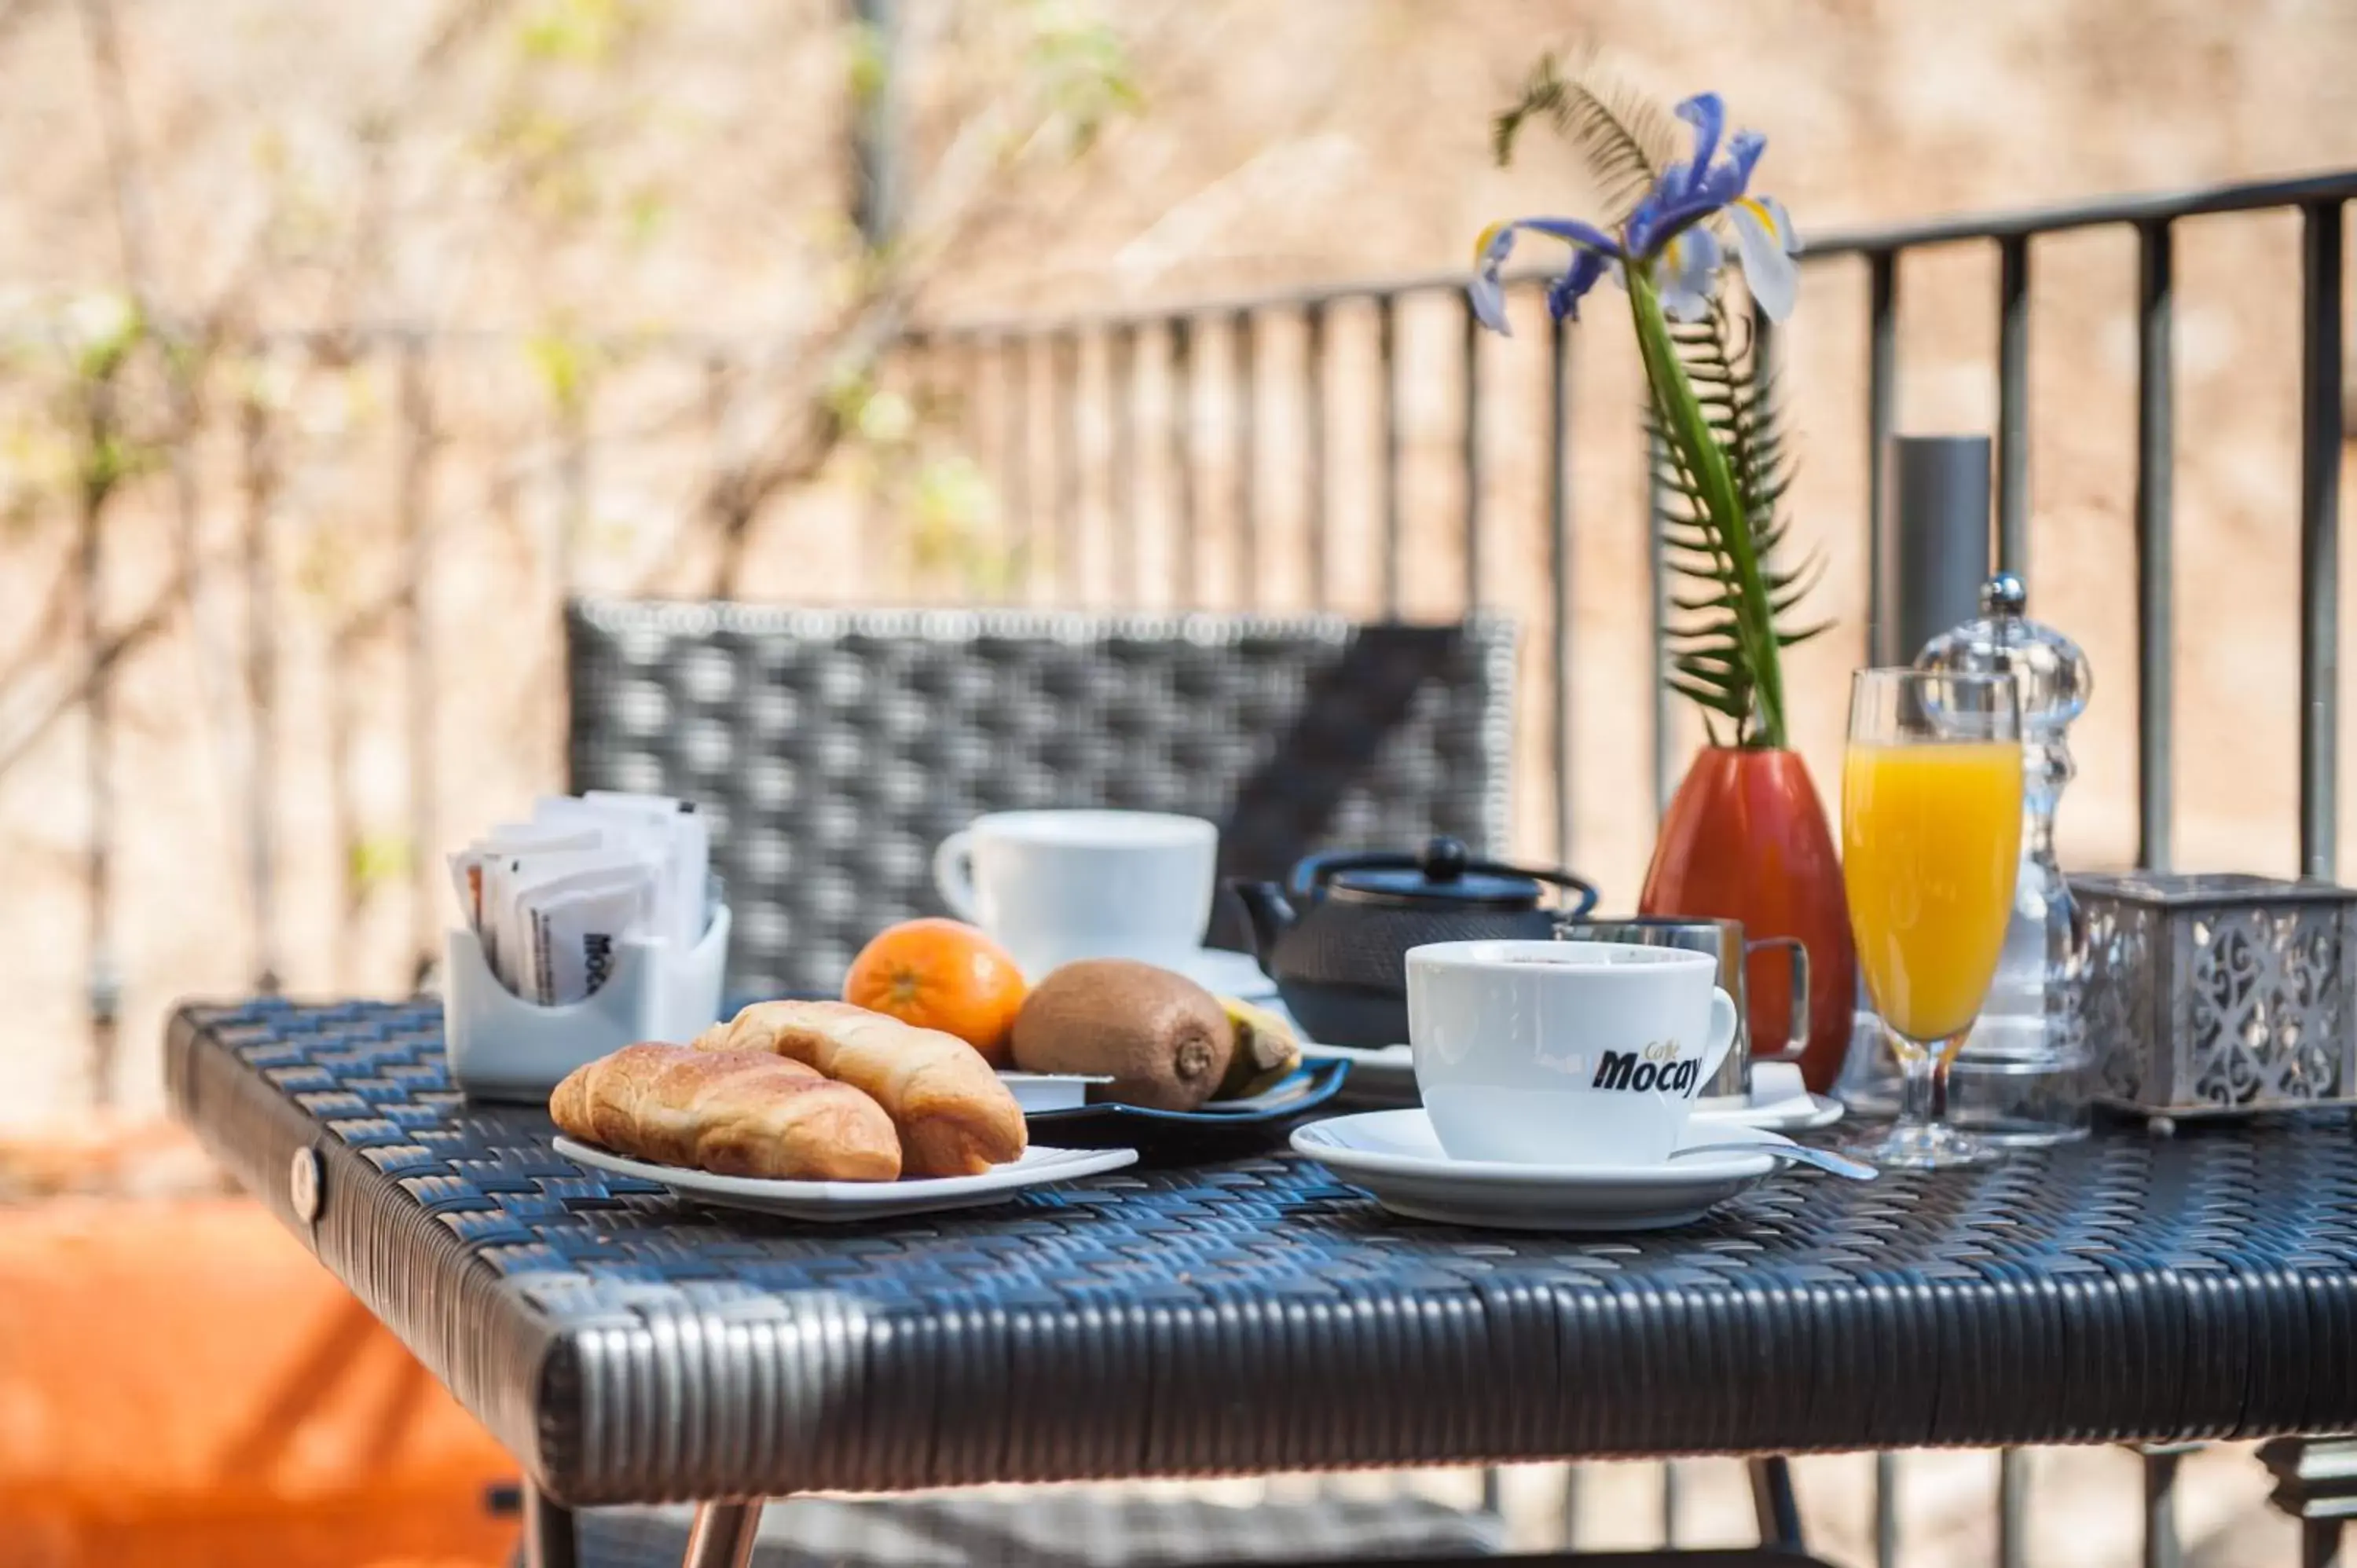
pixel 1931 836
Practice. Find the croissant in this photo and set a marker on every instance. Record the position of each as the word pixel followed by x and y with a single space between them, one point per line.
pixel 954 1117
pixel 730 1112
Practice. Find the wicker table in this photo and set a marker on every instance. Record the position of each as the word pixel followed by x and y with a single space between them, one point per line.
pixel 1256 1315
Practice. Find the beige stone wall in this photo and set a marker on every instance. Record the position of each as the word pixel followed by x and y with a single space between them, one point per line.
pixel 1281 142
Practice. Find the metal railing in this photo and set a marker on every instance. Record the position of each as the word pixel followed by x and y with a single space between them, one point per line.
pixel 1006 348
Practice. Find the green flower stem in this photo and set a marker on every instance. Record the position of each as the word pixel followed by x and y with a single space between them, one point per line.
pixel 1700 454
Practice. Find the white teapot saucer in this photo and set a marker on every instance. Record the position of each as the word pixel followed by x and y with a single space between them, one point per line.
pixel 1397 1158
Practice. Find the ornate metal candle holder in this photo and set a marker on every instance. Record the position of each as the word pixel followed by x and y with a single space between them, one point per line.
pixel 2220 995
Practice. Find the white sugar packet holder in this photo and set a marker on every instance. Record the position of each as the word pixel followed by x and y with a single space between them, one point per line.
pixel 504 1048
pixel 587 928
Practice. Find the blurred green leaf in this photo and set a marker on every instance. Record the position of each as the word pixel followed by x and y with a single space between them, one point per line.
pixel 377 860
pixel 578 32
pixel 567 367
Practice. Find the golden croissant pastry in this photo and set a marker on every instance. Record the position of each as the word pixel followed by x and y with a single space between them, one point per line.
pixel 731 1113
pixel 956 1118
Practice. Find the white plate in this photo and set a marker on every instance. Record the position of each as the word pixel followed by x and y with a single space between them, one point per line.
pixel 1779 1102
pixel 1395 1156
pixel 838 1202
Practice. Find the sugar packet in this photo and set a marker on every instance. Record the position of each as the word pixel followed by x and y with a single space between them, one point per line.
pixel 551 900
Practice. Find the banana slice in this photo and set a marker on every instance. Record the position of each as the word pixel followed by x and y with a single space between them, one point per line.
pixel 1266 1049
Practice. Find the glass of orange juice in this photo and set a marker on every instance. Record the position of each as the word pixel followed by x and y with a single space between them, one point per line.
pixel 1931 835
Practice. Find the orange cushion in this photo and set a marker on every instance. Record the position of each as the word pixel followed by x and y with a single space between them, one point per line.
pixel 180 1383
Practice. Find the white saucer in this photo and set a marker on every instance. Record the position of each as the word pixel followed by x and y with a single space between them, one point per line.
pixel 1225 972
pixel 1384 1068
pixel 1395 1156
pixel 1779 1102
pixel 837 1202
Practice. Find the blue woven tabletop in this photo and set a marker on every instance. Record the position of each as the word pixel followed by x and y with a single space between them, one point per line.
pixel 1256 1314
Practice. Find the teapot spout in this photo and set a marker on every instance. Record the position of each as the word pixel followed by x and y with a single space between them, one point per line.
pixel 1269 915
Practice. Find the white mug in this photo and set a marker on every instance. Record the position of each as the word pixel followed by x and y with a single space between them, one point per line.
pixel 1052 887
pixel 1563 1053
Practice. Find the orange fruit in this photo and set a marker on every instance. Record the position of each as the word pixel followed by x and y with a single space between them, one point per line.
pixel 941 974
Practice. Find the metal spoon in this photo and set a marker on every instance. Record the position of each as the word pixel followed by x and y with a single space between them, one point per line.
pixel 1783 1148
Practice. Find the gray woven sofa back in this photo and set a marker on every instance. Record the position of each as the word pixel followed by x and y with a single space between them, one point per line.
pixel 835 748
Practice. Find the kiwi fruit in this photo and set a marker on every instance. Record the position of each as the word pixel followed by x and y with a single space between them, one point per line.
pixel 1164 1040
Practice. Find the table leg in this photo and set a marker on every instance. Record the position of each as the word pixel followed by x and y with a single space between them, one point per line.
pixel 721 1535
pixel 548 1538
pixel 2316 1483
pixel 1778 1510
pixel 2161 1549
pixel 2012 1507
pixel 1886 1510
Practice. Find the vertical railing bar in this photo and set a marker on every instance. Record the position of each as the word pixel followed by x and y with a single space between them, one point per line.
pixel 1122 487
pixel 2320 435
pixel 718 392
pixel 1243 362
pixel 2156 461
pixel 1182 459
pixel 103 977
pixel 1470 347
pixel 1069 583
pixel 1015 463
pixel 1672 1498
pixel 1881 399
pixel 1886 1510
pixel 2013 406
pixel 888 529
pixel 2012 1507
pixel 1557 447
pixel 260 483
pixel 1387 374
pixel 1313 453
pixel 1657 577
pixel 572 473
pixel 2162 1548
pixel 417 543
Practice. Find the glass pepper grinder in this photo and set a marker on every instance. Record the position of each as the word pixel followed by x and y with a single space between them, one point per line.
pixel 2021 1076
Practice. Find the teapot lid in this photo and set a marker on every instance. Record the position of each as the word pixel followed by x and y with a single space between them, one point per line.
pixel 1443 873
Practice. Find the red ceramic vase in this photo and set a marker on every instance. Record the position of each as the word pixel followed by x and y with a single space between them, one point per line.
pixel 1745 838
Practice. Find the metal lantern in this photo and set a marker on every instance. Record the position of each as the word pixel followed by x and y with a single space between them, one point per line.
pixel 2210 995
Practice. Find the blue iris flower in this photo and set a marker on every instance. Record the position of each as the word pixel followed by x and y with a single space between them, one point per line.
pixel 1666 233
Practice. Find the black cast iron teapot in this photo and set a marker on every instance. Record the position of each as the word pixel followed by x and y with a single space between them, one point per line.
pixel 1335 942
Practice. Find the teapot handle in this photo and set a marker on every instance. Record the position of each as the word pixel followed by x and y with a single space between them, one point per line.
pixel 1312 872
pixel 1583 893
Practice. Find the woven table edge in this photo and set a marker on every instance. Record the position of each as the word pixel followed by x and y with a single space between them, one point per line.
pixel 457 1332
pixel 855 1396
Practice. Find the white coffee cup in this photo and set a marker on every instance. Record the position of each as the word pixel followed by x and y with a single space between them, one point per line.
pixel 1563 1053
pixel 1052 887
